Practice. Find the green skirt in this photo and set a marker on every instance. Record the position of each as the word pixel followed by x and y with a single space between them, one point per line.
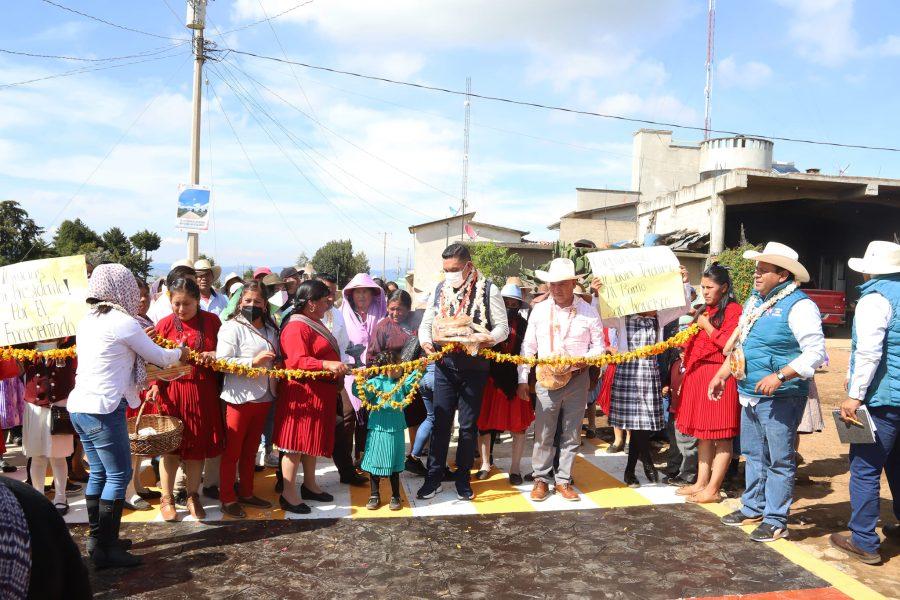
pixel 385 452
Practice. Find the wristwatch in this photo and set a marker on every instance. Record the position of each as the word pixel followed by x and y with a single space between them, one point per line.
pixel 780 375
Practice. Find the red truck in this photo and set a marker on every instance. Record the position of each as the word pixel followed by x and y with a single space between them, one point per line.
pixel 832 305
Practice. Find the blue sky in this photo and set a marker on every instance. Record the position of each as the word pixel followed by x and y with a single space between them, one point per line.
pixel 370 157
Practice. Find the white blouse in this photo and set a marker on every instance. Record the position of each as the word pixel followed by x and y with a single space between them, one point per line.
pixel 107 347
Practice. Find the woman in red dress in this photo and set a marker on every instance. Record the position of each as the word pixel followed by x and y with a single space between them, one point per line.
pixel 193 398
pixel 713 422
pixel 501 409
pixel 306 408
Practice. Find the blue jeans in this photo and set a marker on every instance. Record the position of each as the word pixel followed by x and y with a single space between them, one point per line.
pixel 458 384
pixel 426 385
pixel 106 446
pixel 866 464
pixel 767 442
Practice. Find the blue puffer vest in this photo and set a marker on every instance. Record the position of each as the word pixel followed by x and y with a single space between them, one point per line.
pixel 884 389
pixel 771 345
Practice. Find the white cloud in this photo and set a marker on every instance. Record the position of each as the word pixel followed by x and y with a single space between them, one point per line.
pixel 751 74
pixel 663 107
pixel 394 65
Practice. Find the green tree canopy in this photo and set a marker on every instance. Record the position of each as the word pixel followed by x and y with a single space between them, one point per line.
pixel 19 235
pixel 337 258
pixel 146 241
pixel 495 262
pixel 74 237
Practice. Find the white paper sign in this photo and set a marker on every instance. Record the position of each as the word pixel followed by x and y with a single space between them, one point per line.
pixel 637 280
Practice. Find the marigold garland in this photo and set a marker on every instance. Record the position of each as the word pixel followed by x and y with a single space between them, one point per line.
pixel 384 398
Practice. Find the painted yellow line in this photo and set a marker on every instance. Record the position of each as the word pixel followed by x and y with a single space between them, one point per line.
pixel 497 495
pixel 359 496
pixel 818 567
pixel 602 488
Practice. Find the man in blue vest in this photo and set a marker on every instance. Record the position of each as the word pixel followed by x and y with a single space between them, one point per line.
pixel 781 341
pixel 874 380
pixel 459 378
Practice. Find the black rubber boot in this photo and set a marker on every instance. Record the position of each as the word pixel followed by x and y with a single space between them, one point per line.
pixel 108 552
pixel 93 511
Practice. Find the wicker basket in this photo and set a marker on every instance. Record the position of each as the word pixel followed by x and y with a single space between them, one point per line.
pixel 166 439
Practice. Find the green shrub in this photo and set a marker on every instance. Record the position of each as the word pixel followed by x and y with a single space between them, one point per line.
pixel 741 269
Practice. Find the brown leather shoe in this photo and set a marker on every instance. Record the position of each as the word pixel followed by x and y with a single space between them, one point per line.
pixel 167 508
pixel 540 491
pixel 842 542
pixel 567 492
pixel 234 509
pixel 196 507
pixel 255 501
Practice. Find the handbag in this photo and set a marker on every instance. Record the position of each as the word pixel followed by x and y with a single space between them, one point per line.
pixel 60 423
pixel 411 350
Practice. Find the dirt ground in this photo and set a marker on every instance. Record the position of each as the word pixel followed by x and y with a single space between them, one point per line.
pixel 822 499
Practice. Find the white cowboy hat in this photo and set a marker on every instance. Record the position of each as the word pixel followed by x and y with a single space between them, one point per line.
pixel 780 256
pixel 203 265
pixel 561 269
pixel 181 263
pixel 882 258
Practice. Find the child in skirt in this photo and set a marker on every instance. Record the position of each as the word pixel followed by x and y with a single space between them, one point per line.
pixel 385 454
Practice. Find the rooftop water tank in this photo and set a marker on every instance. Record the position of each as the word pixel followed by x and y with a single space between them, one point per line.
pixel 720 155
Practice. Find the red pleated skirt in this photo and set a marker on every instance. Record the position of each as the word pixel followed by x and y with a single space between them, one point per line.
pixel 502 413
pixel 198 406
pixel 605 396
pixel 706 419
pixel 305 418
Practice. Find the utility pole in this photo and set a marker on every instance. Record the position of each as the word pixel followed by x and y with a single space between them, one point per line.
pixel 710 58
pixel 384 256
pixel 465 173
pixel 196 21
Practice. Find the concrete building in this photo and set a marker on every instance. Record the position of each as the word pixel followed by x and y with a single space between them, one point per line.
pixel 602 216
pixel 430 239
pixel 723 185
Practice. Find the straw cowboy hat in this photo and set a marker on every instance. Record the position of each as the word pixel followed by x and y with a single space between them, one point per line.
pixel 203 265
pixel 882 258
pixel 561 269
pixel 780 256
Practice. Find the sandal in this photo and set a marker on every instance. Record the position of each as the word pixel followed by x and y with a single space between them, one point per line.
pixel 196 507
pixel 374 502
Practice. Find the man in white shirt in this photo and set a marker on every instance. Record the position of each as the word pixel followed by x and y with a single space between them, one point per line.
pixel 210 300
pixel 874 381
pixel 781 340
pixel 562 325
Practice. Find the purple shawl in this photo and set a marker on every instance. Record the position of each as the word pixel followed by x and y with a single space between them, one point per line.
pixel 360 332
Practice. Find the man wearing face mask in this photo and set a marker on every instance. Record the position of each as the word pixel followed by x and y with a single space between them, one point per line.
pixel 459 378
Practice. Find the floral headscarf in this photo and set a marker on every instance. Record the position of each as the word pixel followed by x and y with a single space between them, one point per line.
pixel 114 286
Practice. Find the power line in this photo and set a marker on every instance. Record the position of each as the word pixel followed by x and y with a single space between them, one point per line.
pixel 151 52
pixel 255 23
pixel 86 70
pixel 105 157
pixel 561 108
pixel 111 24
pixel 349 174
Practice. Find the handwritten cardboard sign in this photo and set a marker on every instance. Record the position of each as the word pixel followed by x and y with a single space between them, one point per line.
pixel 637 280
pixel 41 299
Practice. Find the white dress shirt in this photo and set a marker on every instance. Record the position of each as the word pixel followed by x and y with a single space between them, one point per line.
pixel 239 342
pixel 873 313
pixel 215 304
pixel 334 321
pixel 499 332
pixel 552 330
pixel 160 308
pixel 107 346
pixel 805 322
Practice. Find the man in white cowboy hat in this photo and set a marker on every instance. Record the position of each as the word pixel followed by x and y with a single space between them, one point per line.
pixel 874 381
pixel 563 325
pixel 207 274
pixel 781 341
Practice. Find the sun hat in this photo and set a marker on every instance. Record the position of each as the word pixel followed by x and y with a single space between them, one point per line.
pixel 561 269
pixel 511 290
pixel 204 265
pixel 882 258
pixel 290 272
pixel 181 263
pixel 272 279
pixel 780 256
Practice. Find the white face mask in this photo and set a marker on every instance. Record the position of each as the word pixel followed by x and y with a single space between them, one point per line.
pixel 455 279
pixel 279 298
